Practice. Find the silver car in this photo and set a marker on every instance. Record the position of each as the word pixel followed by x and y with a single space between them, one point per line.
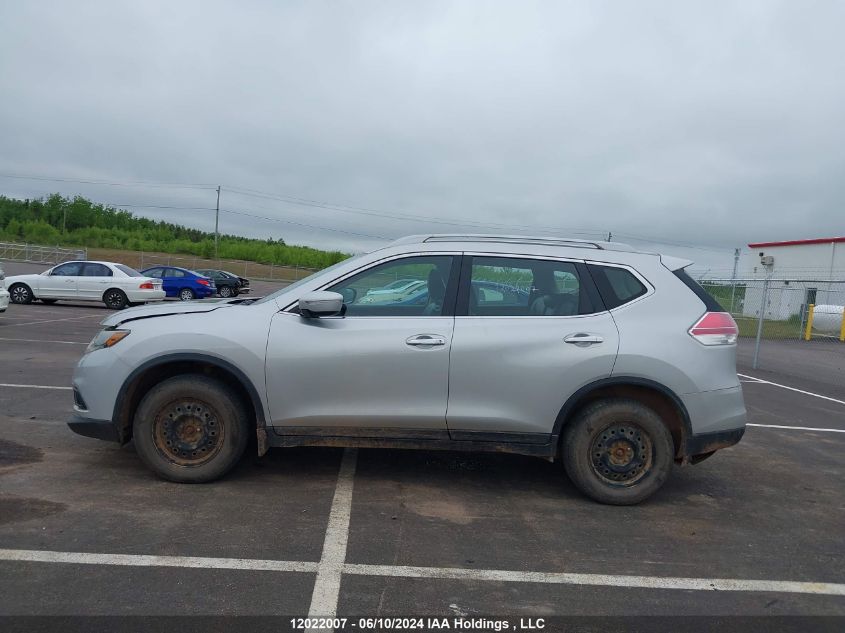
pixel 612 360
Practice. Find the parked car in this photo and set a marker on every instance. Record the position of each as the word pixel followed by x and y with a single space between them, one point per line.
pixel 396 291
pixel 228 284
pixel 183 283
pixel 4 294
pixel 618 364
pixel 114 284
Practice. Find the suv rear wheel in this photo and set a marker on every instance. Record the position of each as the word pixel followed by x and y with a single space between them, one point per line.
pixel 617 451
pixel 191 429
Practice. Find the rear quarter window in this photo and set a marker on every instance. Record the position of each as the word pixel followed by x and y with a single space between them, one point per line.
pixel 709 301
pixel 617 286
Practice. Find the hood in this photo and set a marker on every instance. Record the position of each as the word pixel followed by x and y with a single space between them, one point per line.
pixel 13 278
pixel 168 308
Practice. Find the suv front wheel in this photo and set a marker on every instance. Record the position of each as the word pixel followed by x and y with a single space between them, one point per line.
pixel 191 429
pixel 617 451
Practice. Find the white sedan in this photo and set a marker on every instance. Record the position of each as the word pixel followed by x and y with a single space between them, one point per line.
pixel 115 285
pixel 4 296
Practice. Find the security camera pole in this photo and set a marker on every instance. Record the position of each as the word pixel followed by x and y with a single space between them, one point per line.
pixel 768 263
pixel 217 224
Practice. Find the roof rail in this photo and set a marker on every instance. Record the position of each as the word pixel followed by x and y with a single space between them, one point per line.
pixel 515 239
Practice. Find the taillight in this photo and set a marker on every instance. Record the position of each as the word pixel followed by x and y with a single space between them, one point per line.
pixel 147 285
pixel 715 328
pixel 204 282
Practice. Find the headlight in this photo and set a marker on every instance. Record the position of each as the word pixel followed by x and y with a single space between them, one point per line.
pixel 106 338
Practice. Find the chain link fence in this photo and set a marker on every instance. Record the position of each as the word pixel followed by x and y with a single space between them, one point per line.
pixel 251 270
pixel 37 254
pixel 803 310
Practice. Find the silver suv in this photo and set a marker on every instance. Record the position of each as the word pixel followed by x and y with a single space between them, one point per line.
pixel 613 360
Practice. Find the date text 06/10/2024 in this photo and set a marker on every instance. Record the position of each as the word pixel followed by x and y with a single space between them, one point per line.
pixel 418 624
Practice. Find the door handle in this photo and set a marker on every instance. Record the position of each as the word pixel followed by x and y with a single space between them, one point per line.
pixel 583 339
pixel 426 340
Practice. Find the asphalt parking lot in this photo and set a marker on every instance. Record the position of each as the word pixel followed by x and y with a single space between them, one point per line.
pixel 85 529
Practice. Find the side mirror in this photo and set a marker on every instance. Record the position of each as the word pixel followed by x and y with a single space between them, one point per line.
pixel 321 304
pixel 349 295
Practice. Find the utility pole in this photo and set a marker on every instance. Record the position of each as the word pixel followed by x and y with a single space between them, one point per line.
pixel 733 277
pixel 217 223
pixel 64 218
pixel 769 268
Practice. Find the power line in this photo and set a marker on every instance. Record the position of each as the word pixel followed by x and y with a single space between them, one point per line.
pixel 638 238
pixel 342 208
pixel 401 216
pixel 310 226
pixel 139 183
pixel 154 206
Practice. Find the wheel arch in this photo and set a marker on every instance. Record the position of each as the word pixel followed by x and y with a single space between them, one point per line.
pixel 111 288
pixel 158 369
pixel 653 394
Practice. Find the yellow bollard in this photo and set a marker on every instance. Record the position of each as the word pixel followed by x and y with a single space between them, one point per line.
pixel 842 329
pixel 809 329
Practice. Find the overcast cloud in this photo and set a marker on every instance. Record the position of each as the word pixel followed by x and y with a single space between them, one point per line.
pixel 712 123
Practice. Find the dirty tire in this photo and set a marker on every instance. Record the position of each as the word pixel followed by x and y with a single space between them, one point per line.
pixel 225 291
pixel 115 299
pixel 186 294
pixel 20 293
pixel 191 429
pixel 617 451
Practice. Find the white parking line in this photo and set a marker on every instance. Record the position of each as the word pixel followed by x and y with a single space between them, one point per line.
pixel 142 560
pixel 87 316
pixel 442 573
pixel 796 428
pixel 327 586
pixel 35 340
pixel 645 582
pixel 806 393
pixel 5 384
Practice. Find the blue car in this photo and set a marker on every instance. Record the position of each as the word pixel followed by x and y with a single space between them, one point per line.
pixel 181 282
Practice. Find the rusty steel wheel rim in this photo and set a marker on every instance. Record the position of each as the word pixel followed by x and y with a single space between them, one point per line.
pixel 188 432
pixel 621 454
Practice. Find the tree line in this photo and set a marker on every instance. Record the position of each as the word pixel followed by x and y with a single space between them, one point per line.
pixel 77 221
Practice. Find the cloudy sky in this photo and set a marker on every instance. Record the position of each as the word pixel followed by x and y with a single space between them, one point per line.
pixel 687 123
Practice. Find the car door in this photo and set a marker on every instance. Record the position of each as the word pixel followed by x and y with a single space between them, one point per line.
pixel 174 280
pixel 382 370
pixel 62 282
pixel 93 281
pixel 529 332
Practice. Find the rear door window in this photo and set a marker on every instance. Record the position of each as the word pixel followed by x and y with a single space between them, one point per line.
pixel 96 270
pixel 514 286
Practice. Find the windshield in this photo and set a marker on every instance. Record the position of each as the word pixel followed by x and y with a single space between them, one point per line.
pixel 305 280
